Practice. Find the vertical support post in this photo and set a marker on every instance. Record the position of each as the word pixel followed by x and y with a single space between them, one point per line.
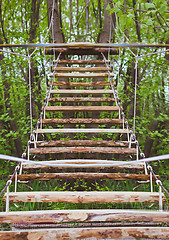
pixel 151 181
pixel 137 152
pixel 16 180
pixel 7 196
pixel 160 195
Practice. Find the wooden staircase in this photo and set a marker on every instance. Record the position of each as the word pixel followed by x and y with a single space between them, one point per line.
pixel 81 149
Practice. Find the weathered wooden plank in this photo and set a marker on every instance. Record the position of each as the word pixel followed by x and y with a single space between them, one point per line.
pixel 82 108
pixel 84 175
pixel 80 99
pixel 88 143
pixel 84 215
pixel 107 150
pixel 88 61
pixel 84 197
pixel 88 233
pixel 82 121
pixel 81 69
pixel 80 84
pixel 81 51
pixel 99 164
pixel 81 75
pixel 81 130
pixel 70 91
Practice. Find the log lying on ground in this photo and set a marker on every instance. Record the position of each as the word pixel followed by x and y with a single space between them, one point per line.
pixel 82 121
pixel 79 163
pixel 84 215
pixel 88 143
pixel 85 197
pixel 88 233
pixel 84 175
pixel 107 150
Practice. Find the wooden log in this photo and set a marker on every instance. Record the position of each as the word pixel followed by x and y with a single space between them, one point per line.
pixel 88 61
pixel 84 175
pixel 81 163
pixel 88 143
pixel 80 84
pixel 85 197
pixel 80 75
pixel 84 215
pixel 80 99
pixel 81 69
pixel 82 51
pixel 70 91
pixel 88 233
pixel 82 121
pixel 82 108
pixel 82 130
pixel 107 150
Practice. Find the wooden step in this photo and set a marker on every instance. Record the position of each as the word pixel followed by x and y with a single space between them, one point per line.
pixel 70 91
pixel 84 215
pixel 88 61
pixel 80 99
pixel 84 197
pixel 82 69
pixel 86 164
pixel 82 121
pixel 84 175
pixel 88 143
pixel 81 75
pixel 82 108
pixel 81 51
pixel 80 84
pixel 93 233
pixel 107 150
pixel 81 130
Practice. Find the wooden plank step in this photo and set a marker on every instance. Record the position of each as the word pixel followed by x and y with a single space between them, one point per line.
pixel 107 150
pixel 82 108
pixel 81 51
pixel 81 75
pixel 81 69
pixel 84 215
pixel 93 233
pixel 70 91
pixel 82 121
pixel 81 163
pixel 80 84
pixel 82 130
pixel 80 99
pixel 88 61
pixel 84 197
pixel 88 143
pixel 84 175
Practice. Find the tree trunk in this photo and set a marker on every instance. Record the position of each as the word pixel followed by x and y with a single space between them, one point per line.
pixel 13 124
pixel 54 19
pixel 106 34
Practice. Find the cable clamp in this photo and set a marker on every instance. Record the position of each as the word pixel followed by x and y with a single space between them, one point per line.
pixel 142 155
pixel 9 182
pixel 17 168
pixel 158 182
pixel 23 155
pixel 149 167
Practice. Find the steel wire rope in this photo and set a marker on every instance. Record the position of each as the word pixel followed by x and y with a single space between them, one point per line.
pixel 133 134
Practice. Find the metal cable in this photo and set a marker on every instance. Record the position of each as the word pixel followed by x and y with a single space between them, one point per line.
pixel 133 134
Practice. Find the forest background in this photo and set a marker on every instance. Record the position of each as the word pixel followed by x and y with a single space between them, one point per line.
pixel 78 21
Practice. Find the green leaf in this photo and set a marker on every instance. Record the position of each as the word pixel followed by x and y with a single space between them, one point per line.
pixel 149 22
pixel 149 5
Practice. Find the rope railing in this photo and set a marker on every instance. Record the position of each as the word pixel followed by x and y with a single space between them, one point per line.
pixel 133 136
